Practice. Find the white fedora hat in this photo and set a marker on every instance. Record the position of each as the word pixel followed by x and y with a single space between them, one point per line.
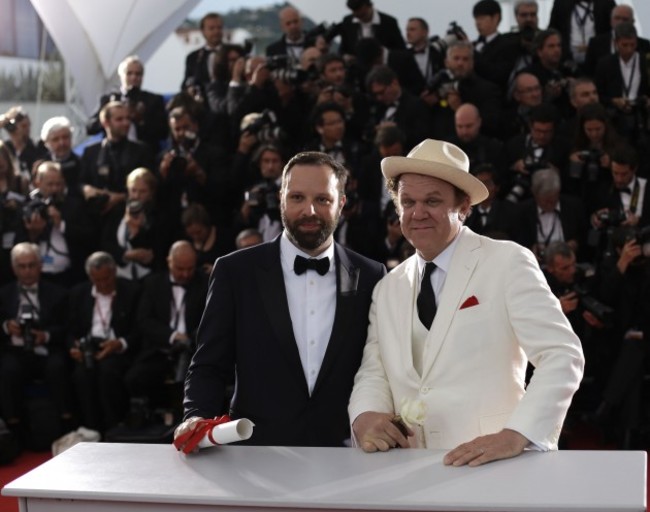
pixel 438 159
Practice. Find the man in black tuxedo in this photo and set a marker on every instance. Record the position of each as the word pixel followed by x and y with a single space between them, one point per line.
pixel 146 109
pixel 200 64
pixel 107 163
pixel 603 44
pixel 294 40
pixel 398 106
pixel 366 21
pixel 578 21
pixel 287 320
pixel 102 341
pixel 494 54
pixel 33 314
pixel 168 317
pixel 429 58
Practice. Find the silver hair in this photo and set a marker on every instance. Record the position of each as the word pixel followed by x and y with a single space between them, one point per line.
pixel 23 248
pixel 545 181
pixel 54 124
pixel 121 69
pixel 98 260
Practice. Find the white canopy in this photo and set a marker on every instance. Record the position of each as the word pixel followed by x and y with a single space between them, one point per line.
pixel 95 36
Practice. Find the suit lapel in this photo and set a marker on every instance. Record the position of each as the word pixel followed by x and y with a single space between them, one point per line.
pixel 347 282
pixel 462 266
pixel 270 282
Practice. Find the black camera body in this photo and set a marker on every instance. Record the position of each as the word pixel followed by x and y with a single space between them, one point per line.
pixel 89 346
pixel 442 83
pixel 611 217
pixel 264 198
pixel 39 205
pixel 587 302
pixel 454 33
pixel 588 166
pixel 265 127
pixel 285 68
pixel 28 322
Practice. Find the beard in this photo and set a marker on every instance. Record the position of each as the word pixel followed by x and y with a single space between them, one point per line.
pixel 310 240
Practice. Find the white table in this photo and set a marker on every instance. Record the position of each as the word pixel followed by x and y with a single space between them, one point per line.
pixel 147 478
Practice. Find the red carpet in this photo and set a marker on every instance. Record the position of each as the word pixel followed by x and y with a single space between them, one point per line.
pixel 26 462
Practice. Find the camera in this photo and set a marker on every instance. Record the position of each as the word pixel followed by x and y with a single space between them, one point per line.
pixel 589 165
pixel 27 322
pixel 584 276
pixel 611 217
pixel 263 198
pixel 89 346
pixel 442 83
pixel 454 33
pixel 641 235
pixel 37 205
pixel 265 126
pixel 182 150
pixel 285 68
pixel 522 182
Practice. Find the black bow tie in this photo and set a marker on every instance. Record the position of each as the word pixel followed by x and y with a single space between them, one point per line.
pixel 179 285
pixel 301 265
pixel 417 52
pixel 625 190
pixel 29 289
pixel 481 39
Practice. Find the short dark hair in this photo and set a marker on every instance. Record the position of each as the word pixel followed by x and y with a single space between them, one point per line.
pixel 316 158
pixel 180 112
pixel 209 16
pixel 389 136
pixel 422 22
pixel 263 148
pixel 557 249
pixel 542 36
pixel 353 5
pixel 327 59
pixel 486 8
pixel 625 30
pixel 543 113
pixel 624 154
pixel 107 110
pixel 382 75
pixel 321 108
pixel 195 213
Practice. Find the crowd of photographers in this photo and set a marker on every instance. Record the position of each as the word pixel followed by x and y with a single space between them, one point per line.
pixel 105 257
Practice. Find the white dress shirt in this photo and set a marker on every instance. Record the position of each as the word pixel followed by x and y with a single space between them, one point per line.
pixel 312 305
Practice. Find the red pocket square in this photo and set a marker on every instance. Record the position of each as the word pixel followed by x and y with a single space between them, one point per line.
pixel 469 302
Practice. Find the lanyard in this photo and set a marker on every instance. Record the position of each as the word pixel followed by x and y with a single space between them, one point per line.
pixel 540 230
pixel 582 20
pixel 627 86
pixel 105 320
pixel 634 200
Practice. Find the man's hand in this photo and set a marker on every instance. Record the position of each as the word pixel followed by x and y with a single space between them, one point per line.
pixel 108 347
pixel 187 426
pixel 13 328
pixel 629 252
pixel 569 302
pixel 375 431
pixel 503 445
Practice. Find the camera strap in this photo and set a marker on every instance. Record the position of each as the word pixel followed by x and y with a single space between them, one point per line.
pixel 634 199
pixel 581 20
pixel 546 239
pixel 25 294
pixel 105 316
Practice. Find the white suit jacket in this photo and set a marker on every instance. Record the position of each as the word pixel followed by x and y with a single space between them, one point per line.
pixel 475 357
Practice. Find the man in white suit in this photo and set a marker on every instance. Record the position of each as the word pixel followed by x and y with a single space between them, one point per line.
pixel 456 343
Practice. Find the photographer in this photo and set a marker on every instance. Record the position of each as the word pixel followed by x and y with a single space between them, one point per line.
pixel 626 279
pixel 622 81
pixel 526 95
pixel 32 337
pixel 294 39
pixel 428 57
pixel 135 234
pixel 146 109
pixel 58 223
pixel 522 36
pixel 589 162
pixel 208 241
pixel 193 171
pixel 261 206
pixel 102 341
pixel 626 201
pixel 56 135
pixel 525 153
pixel 17 124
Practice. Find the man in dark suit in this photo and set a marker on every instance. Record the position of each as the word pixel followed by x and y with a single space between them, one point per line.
pixel 33 316
pixel 287 320
pixel 146 109
pixel 107 163
pixel 294 39
pixel 168 317
pixel 428 57
pixel 366 21
pixel 102 341
pixel 200 64
pixel 56 135
pixel 603 44
pixel 578 21
pixel 494 54
pixel 398 106
pixel 549 216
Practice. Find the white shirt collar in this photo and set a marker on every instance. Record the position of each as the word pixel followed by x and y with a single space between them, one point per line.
pixel 443 260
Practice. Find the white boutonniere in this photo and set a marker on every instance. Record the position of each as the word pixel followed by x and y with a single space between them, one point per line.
pixel 411 413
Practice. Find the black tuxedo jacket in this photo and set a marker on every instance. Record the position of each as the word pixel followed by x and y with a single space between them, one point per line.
pixel 153 126
pixel 572 218
pixel 496 59
pixel 246 330
pixel 128 156
pixel 500 222
pixel 155 310
pixel 52 311
pixel 562 14
pixel 436 61
pixel 609 197
pixel 125 303
pixel 412 116
pixel 387 33
pixel 609 79
pixel 601 46
pixel 279 47
pixel 196 69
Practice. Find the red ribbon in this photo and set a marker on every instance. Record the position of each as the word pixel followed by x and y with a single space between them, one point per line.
pixel 189 440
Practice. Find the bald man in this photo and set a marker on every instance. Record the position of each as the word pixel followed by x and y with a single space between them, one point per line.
pixel 480 148
pixel 527 94
pixel 294 40
pixel 168 314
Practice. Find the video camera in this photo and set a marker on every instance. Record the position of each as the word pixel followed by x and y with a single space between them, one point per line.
pixel 454 33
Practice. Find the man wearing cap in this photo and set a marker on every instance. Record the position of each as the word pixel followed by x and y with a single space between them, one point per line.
pixel 453 327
